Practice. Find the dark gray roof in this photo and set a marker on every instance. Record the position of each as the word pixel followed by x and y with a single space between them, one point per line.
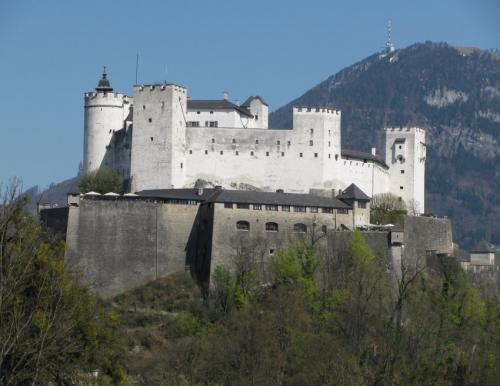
pixel 362 156
pixel 352 192
pixel 178 194
pixel 482 247
pixel 271 198
pixel 245 197
pixel 218 104
pixel 251 98
pixel 104 85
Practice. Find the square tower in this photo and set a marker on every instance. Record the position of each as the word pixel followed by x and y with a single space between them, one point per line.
pixel 405 154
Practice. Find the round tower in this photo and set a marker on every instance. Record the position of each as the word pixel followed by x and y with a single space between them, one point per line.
pixel 105 113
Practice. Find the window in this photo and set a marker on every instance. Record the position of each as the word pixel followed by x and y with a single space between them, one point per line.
pixel 299 209
pixel 336 157
pixel 278 142
pixel 329 132
pixel 282 153
pixel 256 141
pixel 251 153
pixel 143 107
pixel 272 207
pixel 300 155
pixel 182 165
pixel 300 228
pixel 313 209
pixel 342 211
pixel 289 143
pixel 329 155
pixel 257 207
pixel 315 155
pixel 271 227
pixel 214 124
pixel 228 205
pixel 271 251
pixel 206 151
pixel 234 140
pixel 197 112
pixel 221 152
pixel 285 208
pixel 151 138
pixel 213 140
pixel 311 142
pixel 402 171
pixel 243 226
pixel 329 144
pixel 190 152
pixel 326 210
pixel 256 117
pixel 150 120
pixel 193 124
pixel 400 146
pixel 211 112
pixel 267 154
pixel 243 206
pixel 401 188
pixel 324 228
pixel 312 131
pixel 362 205
pixel 237 152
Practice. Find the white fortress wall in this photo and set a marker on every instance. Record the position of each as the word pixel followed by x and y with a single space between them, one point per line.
pixel 224 118
pixel 158 138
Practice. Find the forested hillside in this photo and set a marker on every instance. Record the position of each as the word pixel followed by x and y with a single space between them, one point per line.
pixel 452 92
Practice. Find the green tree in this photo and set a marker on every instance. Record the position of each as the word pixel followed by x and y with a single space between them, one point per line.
pixel 387 208
pixel 101 181
pixel 52 330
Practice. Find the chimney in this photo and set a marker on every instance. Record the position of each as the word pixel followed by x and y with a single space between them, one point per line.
pixel 226 95
pixel 374 151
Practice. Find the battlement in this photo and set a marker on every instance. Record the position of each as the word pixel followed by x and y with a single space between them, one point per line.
pixel 316 110
pixel 105 95
pixel 404 130
pixel 159 87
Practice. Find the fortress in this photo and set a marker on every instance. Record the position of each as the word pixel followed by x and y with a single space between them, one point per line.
pixel 209 182
pixel 162 139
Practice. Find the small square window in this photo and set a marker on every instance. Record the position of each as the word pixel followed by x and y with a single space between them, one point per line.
pixel 256 141
pixel 315 155
pixel 402 172
pixel 213 140
pixel 206 151
pixel 312 131
pixel 190 152
pixel 182 165
pixel 278 142
pixel 143 107
pixel 401 188
pixel 282 153
pixel 313 209
pixel 234 140
pixel 251 153
pixel 267 154
pixel 243 206
pixel 289 143
pixel 271 251
pixel 257 207
pixel 211 112
pixel 228 205
pixel 329 156
pixel 151 138
pixel 300 154
pixel 285 208
pixel 150 120
pixel 221 152
pixel 329 144
pixel 237 152
pixel 311 142
pixel 197 112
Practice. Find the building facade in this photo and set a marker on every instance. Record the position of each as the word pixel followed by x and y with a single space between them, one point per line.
pixel 160 138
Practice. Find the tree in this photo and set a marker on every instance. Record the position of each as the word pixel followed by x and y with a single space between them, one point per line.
pixel 387 208
pixel 101 181
pixel 52 330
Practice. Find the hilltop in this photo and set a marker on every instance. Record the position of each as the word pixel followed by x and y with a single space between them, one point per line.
pixel 452 92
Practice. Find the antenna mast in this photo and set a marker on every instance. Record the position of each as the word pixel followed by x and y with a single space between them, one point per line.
pixel 389 45
pixel 136 67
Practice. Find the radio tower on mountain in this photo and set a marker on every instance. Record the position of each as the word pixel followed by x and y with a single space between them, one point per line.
pixel 389 45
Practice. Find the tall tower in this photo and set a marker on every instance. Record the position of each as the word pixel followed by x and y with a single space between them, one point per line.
pixel 105 112
pixel 159 137
pixel 405 154
pixel 389 45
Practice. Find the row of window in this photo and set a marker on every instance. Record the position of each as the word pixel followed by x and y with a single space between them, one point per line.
pixel 286 208
pixel 243 225
pixel 252 153
pixel 207 123
pixel 215 123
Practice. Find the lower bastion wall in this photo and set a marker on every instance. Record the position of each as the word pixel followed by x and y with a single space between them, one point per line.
pixel 115 245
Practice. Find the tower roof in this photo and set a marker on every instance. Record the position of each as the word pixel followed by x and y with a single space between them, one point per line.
pixel 104 85
pixel 482 247
pixel 352 192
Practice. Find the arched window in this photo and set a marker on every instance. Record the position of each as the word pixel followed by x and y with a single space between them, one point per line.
pixel 299 227
pixel 271 227
pixel 243 226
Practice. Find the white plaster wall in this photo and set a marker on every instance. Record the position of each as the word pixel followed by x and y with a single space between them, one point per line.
pixel 482 258
pixel 409 185
pixel 158 146
pixel 104 114
pixel 225 118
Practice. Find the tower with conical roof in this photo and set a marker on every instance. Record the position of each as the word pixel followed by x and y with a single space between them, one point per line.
pixel 105 113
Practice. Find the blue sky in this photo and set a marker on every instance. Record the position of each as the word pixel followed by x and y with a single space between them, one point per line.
pixel 53 51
